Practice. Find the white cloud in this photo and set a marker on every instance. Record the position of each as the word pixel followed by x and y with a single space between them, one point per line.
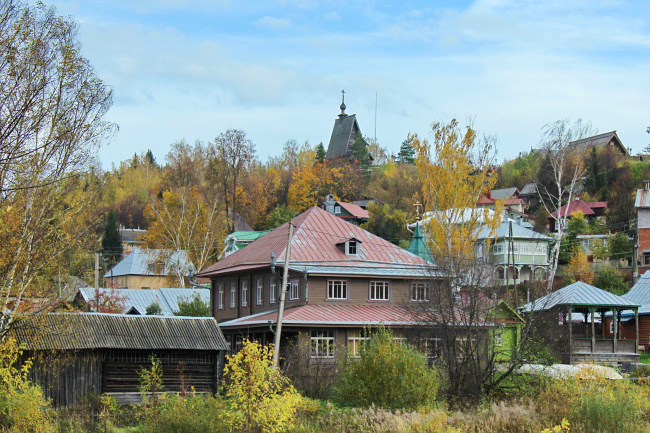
pixel 273 23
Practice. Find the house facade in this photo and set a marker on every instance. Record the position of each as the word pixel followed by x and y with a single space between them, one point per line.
pixel 517 253
pixel 349 212
pixel 149 269
pixel 591 210
pixel 341 279
pixel 642 209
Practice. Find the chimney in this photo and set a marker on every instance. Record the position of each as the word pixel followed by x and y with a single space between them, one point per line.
pixel 646 185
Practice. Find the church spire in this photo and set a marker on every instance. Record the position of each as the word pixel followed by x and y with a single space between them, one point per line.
pixel 343 105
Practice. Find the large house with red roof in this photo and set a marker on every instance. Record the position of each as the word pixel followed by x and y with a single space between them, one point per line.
pixel 590 210
pixel 350 212
pixel 341 279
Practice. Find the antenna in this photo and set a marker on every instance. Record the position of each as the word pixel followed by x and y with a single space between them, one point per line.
pixel 375 117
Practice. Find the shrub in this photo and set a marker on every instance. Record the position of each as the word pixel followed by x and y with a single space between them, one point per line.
pixel 192 414
pixel 388 375
pixel 23 407
pixel 261 397
pixel 193 306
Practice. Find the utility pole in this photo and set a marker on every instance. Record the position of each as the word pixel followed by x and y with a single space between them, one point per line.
pixel 285 277
pixel 512 252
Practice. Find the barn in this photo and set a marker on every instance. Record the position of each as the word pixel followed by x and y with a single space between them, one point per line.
pixel 76 355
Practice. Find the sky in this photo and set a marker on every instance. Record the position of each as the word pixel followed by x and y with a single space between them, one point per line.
pixel 192 69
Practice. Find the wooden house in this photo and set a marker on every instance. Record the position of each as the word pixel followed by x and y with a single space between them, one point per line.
pixel 90 354
pixel 149 269
pixel 591 210
pixel 341 279
pixel 349 212
pixel 588 340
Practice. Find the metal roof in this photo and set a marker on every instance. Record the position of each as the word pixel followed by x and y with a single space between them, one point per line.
pixel 137 262
pixel 117 331
pixel 518 231
pixel 418 246
pixel 529 189
pixel 355 210
pixel 573 207
pixel 241 235
pixel 640 292
pixel 140 299
pixel 503 194
pixel 368 270
pixel 315 241
pixel 132 235
pixel 642 198
pixel 579 294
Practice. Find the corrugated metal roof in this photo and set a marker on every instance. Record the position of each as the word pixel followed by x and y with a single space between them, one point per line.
pixel 117 331
pixel 503 194
pixel 246 235
pixel 355 210
pixel 138 261
pixel 140 299
pixel 579 294
pixel 367 270
pixel 640 292
pixel 518 231
pixel 316 235
pixel 573 207
pixel 642 198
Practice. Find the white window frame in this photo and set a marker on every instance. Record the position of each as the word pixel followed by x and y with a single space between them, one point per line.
pixel 233 295
pixel 244 293
pixel 321 344
pixel 420 291
pixel 498 249
pixel 220 296
pixel 379 287
pixel 433 347
pixel 356 345
pixel 342 289
pixel 294 289
pixel 337 209
pixel 352 248
pixel 272 288
pixel 259 292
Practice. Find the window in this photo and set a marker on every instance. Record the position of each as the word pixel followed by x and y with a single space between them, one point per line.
pixel 354 344
pixel 419 291
pixel 220 297
pixel 145 288
pixel 244 293
pixel 379 291
pixel 294 289
pixel 433 347
pixel 337 289
pixel 337 209
pixel 499 249
pixel 498 338
pixel 322 344
pixel 258 292
pixel 352 248
pixel 272 296
pixel 233 295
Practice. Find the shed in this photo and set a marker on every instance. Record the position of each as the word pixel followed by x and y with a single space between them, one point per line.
pixel 80 354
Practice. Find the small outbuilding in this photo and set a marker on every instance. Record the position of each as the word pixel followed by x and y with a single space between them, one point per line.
pixel 76 355
pixel 586 340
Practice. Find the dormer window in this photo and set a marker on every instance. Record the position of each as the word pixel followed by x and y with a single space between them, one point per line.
pixel 337 209
pixel 351 247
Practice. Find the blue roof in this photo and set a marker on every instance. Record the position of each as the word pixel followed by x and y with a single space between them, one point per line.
pixel 640 293
pixel 137 263
pixel 140 299
pixel 579 294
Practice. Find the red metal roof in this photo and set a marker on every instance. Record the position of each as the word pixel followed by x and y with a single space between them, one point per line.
pixel 485 200
pixel 513 200
pixel 355 210
pixel 573 207
pixel 597 204
pixel 316 235
pixel 330 314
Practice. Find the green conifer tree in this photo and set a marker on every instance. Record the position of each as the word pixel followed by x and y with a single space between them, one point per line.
pixel 406 153
pixel 112 240
pixel 320 154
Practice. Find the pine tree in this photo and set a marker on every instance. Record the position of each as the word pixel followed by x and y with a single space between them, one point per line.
pixel 112 240
pixel 320 154
pixel 360 151
pixel 406 153
pixel 148 158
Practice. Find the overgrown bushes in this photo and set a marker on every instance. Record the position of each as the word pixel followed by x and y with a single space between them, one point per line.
pixel 388 375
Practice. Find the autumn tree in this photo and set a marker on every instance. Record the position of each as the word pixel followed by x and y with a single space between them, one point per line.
pixel 310 185
pixel 563 166
pixel 186 165
pixel 51 123
pixel 456 171
pixel 398 185
pixel 386 223
pixel 579 268
pixel 230 158
pixel 183 220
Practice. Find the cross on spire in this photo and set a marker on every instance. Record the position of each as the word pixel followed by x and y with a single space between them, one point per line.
pixel 342 104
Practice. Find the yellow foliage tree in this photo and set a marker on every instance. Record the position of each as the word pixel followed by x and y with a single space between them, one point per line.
pixel 184 220
pixel 310 185
pixel 579 268
pixel 455 170
pixel 262 398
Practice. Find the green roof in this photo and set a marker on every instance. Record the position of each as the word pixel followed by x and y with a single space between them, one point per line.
pixel 418 247
pixel 247 235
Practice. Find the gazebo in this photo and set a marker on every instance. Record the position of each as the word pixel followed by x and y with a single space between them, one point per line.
pixel 574 310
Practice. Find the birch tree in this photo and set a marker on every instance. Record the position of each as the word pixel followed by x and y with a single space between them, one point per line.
pixel 565 168
pixel 51 123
